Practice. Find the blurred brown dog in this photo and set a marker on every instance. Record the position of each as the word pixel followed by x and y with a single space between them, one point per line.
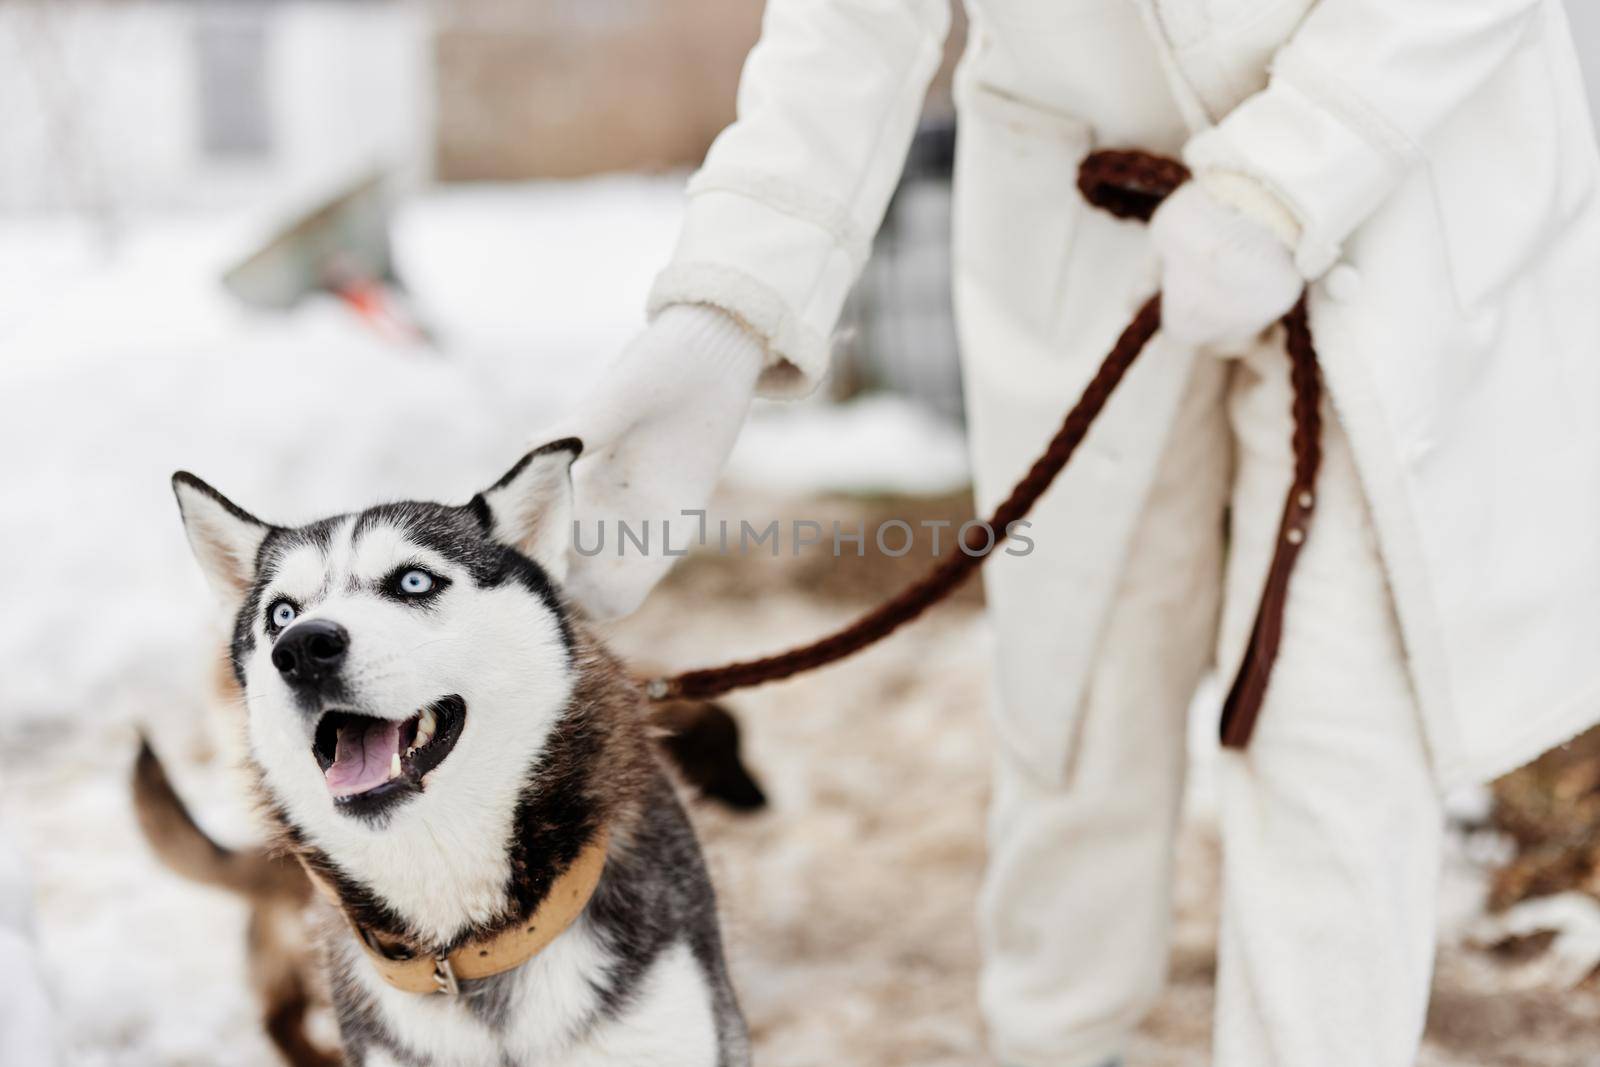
pixel 701 739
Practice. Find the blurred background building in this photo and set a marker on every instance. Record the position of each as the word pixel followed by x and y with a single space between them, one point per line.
pixel 176 102
pixel 123 105
pixel 135 103
pixel 120 107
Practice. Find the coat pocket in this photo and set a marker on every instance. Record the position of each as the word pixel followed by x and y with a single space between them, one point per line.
pixel 1017 203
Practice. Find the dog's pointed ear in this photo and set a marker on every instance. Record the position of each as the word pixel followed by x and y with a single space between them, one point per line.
pixel 530 508
pixel 224 536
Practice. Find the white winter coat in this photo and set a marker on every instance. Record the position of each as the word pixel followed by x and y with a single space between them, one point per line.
pixel 1441 160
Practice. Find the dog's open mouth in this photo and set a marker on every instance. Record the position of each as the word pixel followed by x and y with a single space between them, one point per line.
pixel 364 757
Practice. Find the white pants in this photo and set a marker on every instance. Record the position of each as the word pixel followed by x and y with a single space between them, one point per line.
pixel 1330 820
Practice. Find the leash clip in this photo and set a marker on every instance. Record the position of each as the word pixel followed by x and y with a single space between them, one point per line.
pixel 444 976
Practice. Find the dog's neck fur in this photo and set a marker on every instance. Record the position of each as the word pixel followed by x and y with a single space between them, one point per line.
pixel 442 887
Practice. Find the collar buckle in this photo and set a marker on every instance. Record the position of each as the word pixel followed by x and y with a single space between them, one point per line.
pixel 444 976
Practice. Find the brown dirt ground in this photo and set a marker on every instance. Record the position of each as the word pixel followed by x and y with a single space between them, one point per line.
pixel 849 902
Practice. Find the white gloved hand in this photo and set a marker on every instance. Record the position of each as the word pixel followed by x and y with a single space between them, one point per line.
pixel 1227 273
pixel 656 432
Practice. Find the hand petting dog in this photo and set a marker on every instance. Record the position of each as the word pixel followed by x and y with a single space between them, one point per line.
pixel 656 431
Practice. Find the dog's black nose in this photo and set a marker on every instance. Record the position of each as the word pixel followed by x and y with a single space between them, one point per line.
pixel 310 652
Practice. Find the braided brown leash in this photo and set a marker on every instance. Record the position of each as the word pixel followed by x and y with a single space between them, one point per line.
pixel 1130 185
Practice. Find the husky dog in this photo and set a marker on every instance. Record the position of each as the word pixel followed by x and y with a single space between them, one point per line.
pixel 700 739
pixel 466 774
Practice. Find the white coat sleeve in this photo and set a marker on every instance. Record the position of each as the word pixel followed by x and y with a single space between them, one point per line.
pixel 1353 97
pixel 781 217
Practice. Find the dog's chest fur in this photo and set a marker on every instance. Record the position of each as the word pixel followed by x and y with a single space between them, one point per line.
pixel 543 1014
pixel 638 979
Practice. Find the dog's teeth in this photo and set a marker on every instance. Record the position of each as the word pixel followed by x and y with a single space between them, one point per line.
pixel 427 723
pixel 394 766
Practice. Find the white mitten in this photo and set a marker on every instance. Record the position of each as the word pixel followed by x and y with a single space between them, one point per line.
pixel 656 432
pixel 1227 271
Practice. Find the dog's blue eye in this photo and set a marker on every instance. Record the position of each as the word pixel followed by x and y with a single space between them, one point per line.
pixel 415 583
pixel 282 614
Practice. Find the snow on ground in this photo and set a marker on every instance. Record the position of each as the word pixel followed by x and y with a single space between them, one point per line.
pixel 117 373
pixel 120 363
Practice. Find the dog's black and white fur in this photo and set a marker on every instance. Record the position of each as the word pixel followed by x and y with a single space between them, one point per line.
pixel 440 631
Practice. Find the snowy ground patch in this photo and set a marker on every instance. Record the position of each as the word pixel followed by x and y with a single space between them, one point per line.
pixel 122 363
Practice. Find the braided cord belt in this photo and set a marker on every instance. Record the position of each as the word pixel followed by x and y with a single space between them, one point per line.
pixel 1129 185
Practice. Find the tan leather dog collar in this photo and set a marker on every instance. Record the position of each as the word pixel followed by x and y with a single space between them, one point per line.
pixel 405 969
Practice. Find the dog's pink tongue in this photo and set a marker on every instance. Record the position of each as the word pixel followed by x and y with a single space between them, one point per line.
pixel 362 757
